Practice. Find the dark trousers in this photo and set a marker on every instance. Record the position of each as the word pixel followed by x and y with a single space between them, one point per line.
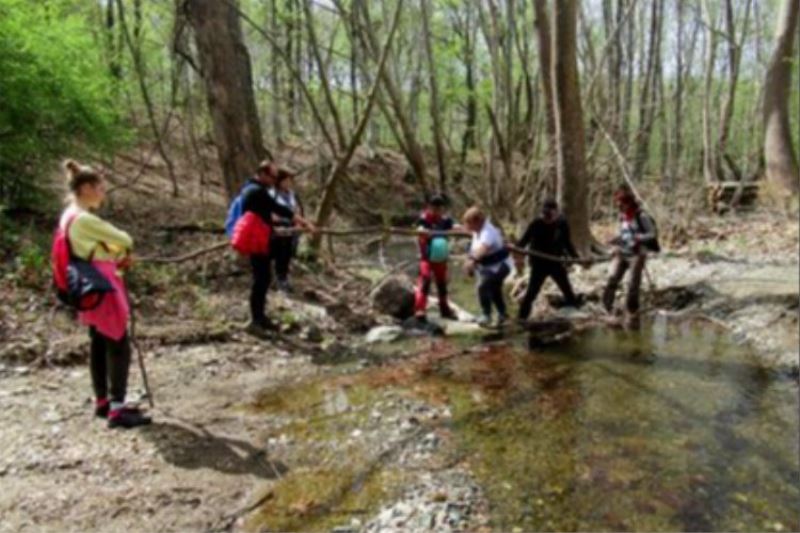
pixel 490 290
pixel 540 271
pixel 109 363
pixel 618 269
pixel 282 251
pixel 262 277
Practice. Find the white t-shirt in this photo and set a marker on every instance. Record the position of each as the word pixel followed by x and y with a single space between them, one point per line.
pixel 286 199
pixel 490 237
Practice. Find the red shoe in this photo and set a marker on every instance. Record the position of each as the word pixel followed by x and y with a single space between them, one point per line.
pixel 101 408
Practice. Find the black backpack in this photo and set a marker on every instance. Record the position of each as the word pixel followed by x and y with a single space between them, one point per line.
pixel 651 244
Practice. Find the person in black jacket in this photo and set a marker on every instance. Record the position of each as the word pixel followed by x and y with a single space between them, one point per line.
pixel 258 200
pixel 548 234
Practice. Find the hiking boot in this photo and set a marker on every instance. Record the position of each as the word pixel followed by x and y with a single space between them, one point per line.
pixel 127 417
pixel 501 321
pixel 484 321
pixel 285 287
pixel 262 329
pixel 448 313
pixel 421 319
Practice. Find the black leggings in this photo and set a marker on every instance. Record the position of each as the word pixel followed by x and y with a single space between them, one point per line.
pixel 262 277
pixel 490 290
pixel 540 271
pixel 282 251
pixel 109 364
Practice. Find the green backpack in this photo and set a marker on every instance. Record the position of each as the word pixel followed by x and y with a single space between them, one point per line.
pixel 438 250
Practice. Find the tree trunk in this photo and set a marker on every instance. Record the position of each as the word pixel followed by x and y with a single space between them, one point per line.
pixel 275 78
pixel 778 148
pixel 649 94
pixel 434 97
pixel 573 190
pixel 468 50
pixel 734 58
pixel 544 37
pixel 675 155
pixel 138 64
pixel 323 74
pixel 627 95
pixel 225 63
pixel 709 147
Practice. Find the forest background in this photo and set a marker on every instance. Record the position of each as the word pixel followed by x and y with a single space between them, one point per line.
pixel 497 102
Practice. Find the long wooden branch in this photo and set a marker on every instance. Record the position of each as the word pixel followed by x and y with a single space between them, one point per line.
pixel 557 258
pixel 387 230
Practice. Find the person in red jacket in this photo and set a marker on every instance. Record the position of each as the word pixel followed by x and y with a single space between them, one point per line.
pixel 434 218
pixel 258 200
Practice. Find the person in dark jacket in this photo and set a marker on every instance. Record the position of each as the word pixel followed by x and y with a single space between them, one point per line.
pixel 637 236
pixel 548 234
pixel 284 248
pixel 258 200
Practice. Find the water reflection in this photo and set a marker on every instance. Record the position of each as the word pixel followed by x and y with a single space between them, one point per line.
pixel 585 437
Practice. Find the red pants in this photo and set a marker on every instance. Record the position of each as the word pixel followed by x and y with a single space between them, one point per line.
pixel 428 270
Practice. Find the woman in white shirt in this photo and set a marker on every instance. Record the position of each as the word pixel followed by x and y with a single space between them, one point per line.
pixel 489 257
pixel 285 248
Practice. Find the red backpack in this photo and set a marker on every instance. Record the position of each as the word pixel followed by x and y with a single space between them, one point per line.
pixel 60 255
pixel 251 235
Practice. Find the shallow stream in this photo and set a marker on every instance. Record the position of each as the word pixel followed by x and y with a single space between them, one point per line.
pixel 673 427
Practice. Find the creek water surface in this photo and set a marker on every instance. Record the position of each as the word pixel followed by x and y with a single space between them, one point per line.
pixel 670 428
pixel 673 427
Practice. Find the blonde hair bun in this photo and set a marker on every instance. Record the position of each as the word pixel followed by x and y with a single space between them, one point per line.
pixel 77 175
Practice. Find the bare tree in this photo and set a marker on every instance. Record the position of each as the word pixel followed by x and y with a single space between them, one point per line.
pixel 434 98
pixel 225 63
pixel 573 187
pixel 709 146
pixel 135 49
pixel 325 208
pixel 546 71
pixel 779 151
pixel 276 83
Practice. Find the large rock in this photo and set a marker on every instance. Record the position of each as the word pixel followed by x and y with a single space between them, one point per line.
pixel 384 334
pixel 394 297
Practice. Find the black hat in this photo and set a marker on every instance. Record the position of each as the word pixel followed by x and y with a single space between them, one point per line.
pixel 549 205
pixel 437 200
